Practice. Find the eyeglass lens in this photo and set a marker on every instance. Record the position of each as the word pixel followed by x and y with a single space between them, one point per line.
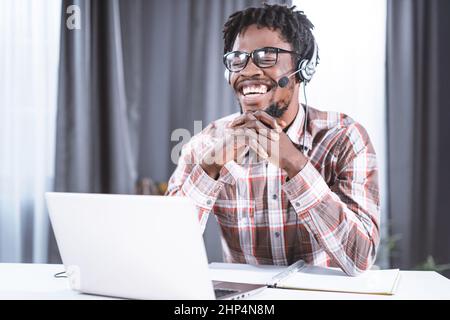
pixel 263 58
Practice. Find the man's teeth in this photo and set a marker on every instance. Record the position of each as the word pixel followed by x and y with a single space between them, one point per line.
pixel 254 90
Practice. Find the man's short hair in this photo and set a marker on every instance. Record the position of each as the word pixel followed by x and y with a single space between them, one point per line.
pixel 294 26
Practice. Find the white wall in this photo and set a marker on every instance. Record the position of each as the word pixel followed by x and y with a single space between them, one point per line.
pixel 351 36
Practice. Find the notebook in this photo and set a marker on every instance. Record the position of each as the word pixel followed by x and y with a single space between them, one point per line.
pixel 303 277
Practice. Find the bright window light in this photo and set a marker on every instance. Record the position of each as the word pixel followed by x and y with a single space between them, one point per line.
pixel 351 36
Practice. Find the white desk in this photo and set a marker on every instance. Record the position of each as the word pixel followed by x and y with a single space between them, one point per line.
pixel 37 281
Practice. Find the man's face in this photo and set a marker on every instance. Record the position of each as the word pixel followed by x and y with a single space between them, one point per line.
pixel 250 83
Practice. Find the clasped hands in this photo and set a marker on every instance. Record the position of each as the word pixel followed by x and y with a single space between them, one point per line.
pixel 261 133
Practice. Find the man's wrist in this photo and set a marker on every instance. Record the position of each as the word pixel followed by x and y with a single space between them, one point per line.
pixel 294 164
pixel 212 170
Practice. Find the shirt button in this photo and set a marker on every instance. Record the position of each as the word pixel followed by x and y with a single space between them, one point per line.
pixel 297 204
pixel 274 197
pixel 208 202
pixel 277 234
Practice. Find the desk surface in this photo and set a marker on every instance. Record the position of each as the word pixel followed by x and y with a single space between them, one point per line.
pixel 37 281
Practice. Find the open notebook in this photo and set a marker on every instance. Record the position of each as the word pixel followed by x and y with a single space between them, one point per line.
pixel 308 278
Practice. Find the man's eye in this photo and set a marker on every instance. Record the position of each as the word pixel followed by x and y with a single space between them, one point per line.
pixel 267 61
pixel 236 60
pixel 238 63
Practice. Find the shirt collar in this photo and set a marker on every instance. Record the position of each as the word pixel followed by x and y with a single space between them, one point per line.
pixel 295 131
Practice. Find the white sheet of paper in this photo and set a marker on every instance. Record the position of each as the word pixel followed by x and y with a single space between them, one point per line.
pixel 243 273
pixel 325 279
pixel 310 278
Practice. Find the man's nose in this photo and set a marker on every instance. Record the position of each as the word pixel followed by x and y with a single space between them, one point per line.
pixel 251 69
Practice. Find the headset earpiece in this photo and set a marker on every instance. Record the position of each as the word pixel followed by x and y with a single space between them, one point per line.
pixel 308 67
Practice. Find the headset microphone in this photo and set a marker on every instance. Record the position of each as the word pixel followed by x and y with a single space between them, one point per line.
pixel 306 69
pixel 283 82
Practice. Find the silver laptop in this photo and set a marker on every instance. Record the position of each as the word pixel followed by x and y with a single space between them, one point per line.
pixel 138 247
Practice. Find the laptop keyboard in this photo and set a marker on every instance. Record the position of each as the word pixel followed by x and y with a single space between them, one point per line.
pixel 224 292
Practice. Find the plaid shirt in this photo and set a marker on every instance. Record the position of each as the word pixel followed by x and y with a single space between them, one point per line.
pixel 327 215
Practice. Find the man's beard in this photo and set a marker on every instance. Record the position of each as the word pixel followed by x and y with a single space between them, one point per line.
pixel 275 110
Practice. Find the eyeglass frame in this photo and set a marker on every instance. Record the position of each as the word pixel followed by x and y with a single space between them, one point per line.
pixel 250 55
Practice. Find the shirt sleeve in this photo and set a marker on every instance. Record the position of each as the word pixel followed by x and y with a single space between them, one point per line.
pixel 189 179
pixel 344 218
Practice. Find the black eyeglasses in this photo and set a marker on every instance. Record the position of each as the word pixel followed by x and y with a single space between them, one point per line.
pixel 267 57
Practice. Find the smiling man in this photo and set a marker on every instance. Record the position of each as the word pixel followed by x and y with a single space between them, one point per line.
pixel 284 181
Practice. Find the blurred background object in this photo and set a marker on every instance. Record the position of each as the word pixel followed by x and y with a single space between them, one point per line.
pixel 146 186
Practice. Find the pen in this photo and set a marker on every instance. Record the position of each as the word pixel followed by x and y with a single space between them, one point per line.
pixel 295 267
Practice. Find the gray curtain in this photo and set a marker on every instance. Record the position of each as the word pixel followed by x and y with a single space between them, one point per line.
pixel 94 150
pixel 418 78
pixel 133 73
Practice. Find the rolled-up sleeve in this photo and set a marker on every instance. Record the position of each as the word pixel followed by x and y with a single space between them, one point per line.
pixel 189 179
pixel 343 217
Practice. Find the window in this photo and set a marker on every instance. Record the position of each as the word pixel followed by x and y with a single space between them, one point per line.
pixel 29 52
pixel 351 36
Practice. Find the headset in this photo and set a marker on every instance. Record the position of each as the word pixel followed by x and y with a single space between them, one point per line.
pixel 305 70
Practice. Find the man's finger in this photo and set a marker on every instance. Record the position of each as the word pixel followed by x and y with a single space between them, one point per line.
pixel 248 116
pixel 258 149
pixel 240 153
pixel 252 140
pixel 245 132
pixel 257 127
pixel 268 120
